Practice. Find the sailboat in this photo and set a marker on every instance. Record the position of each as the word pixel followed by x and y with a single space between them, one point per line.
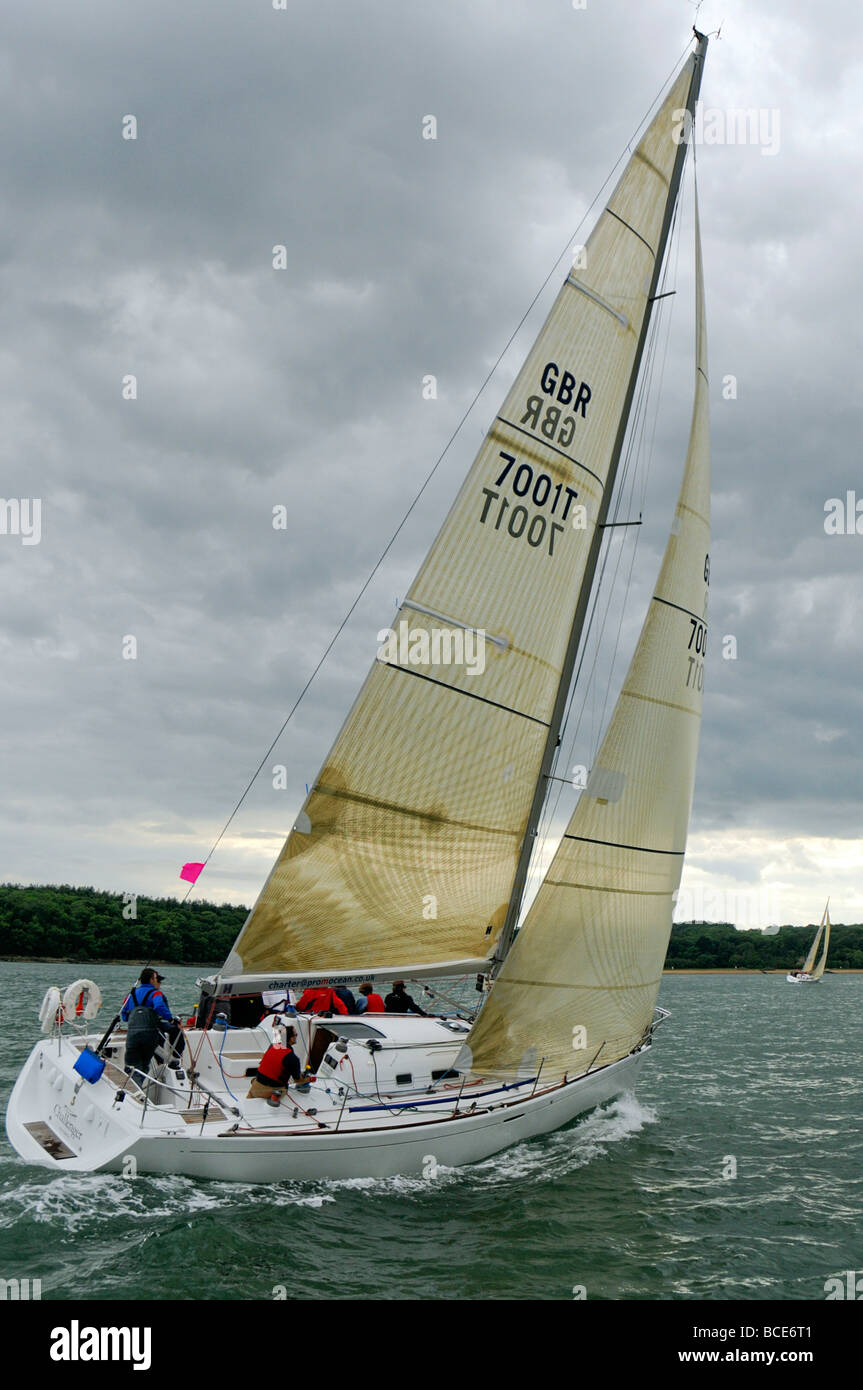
pixel 411 855
pixel 812 971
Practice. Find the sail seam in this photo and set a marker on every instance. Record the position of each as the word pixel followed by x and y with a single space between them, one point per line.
pixel 654 700
pixel 553 984
pixel 553 447
pixel 604 888
pixel 615 844
pixel 639 154
pixel 688 611
pixel 456 690
pixel 624 223
pixel 340 794
pixel 684 507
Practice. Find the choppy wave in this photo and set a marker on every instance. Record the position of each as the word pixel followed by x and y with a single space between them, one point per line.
pixel 633 1200
pixel 76 1202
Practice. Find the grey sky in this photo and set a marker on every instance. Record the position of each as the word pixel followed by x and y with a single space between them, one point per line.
pixel 302 387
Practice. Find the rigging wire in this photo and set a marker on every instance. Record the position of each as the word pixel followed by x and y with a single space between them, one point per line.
pixel 566 251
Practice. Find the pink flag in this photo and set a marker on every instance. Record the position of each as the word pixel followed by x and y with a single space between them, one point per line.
pixel 191 872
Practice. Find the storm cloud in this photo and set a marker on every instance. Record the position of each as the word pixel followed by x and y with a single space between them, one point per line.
pixel 255 388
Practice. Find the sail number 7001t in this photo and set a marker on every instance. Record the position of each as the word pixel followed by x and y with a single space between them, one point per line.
pixel 543 491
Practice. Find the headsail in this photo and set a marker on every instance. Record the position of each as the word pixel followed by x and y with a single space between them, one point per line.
pixel 580 984
pixel 406 849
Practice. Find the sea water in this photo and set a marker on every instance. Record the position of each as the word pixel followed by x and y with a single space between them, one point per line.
pixel 735 1172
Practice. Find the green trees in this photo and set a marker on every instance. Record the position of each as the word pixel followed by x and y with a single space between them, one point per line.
pixel 88 925
pixel 720 946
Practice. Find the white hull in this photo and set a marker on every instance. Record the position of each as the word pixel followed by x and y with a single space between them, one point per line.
pixel 98 1134
pixel 802 979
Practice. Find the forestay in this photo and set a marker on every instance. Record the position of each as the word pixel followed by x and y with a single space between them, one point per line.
pixel 406 848
pixel 579 986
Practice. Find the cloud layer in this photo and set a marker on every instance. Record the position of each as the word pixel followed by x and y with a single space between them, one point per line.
pixel 302 387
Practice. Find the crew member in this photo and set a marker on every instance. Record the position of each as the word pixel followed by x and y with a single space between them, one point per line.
pixel 369 1002
pixel 278 1068
pixel 399 1002
pixel 347 997
pixel 320 999
pixel 148 1018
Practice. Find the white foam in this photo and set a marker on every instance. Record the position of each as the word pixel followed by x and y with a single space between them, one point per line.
pixel 77 1201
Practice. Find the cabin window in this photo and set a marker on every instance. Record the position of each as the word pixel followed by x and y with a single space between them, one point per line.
pixel 353 1030
pixel 403 1078
pixel 439 1075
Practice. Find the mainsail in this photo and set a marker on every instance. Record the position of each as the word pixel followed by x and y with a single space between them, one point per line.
pixel 579 985
pixel 407 846
pixel 809 966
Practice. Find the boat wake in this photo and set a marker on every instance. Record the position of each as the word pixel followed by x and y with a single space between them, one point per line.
pixel 78 1202
pixel 546 1159
pixel 566 1150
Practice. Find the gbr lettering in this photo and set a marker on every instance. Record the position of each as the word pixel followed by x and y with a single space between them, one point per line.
pixel 553 421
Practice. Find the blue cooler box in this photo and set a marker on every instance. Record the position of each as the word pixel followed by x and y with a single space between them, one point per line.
pixel 89 1065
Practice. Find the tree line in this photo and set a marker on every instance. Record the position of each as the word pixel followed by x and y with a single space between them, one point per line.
pixel 721 946
pixel 85 924
pixel 58 920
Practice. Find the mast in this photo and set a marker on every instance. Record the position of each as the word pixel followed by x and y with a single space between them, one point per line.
pixel 509 927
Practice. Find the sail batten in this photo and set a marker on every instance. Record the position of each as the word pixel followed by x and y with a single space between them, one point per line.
pixel 409 843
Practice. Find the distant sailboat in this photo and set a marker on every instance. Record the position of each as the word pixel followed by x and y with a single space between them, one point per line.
pixel 410 856
pixel 812 971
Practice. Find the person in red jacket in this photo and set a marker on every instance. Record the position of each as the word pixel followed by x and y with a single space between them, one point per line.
pixel 369 1002
pixel 321 1000
pixel 278 1068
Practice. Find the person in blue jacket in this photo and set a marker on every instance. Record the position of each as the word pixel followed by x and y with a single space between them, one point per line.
pixel 145 1009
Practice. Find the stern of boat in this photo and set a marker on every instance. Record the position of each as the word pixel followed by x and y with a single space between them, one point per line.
pixel 57 1119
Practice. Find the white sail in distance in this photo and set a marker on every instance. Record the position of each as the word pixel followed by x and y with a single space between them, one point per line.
pixel 406 848
pixel 579 986
pixel 809 966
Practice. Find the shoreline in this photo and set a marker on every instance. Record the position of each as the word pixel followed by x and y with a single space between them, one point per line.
pixel 66 960
pixel 749 970
pixel 214 965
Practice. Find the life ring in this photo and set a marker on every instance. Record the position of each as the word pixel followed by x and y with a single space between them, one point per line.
pixel 48 1011
pixel 83 999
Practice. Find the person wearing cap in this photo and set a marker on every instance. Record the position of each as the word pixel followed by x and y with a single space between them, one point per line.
pixel 148 997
